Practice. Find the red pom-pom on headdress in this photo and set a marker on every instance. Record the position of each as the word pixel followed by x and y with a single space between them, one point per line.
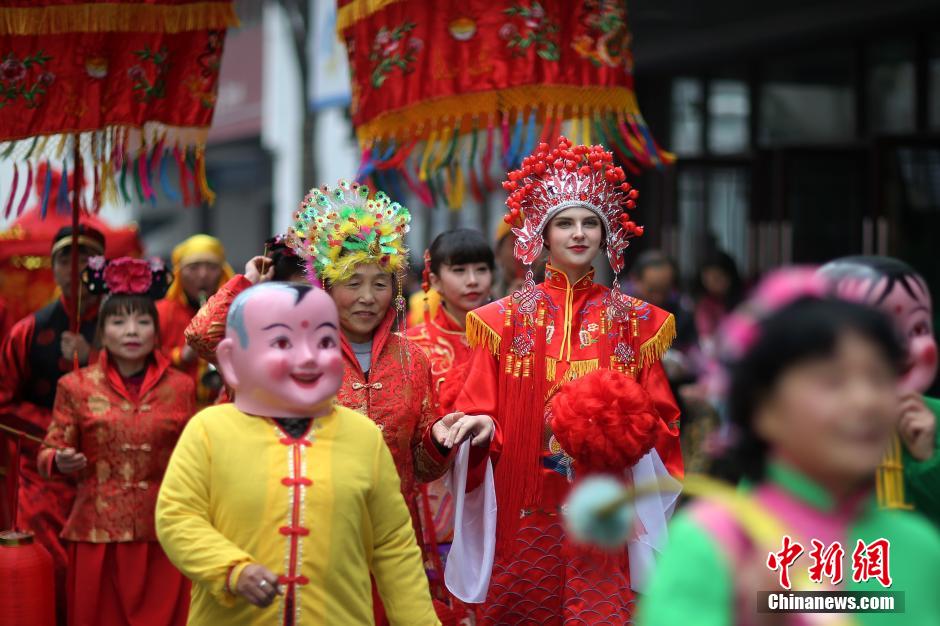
pixel 605 421
pixel 554 179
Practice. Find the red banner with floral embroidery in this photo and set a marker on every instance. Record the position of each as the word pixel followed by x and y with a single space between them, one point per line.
pixel 426 74
pixel 116 90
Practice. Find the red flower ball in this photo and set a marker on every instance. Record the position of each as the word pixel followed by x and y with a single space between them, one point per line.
pixel 605 421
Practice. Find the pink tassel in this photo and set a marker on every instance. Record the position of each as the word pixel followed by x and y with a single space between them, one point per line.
pixel 27 191
pixel 16 180
pixel 420 190
pixel 142 171
pixel 181 168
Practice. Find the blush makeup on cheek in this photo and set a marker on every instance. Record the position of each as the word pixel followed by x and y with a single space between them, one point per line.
pixel 278 369
pixel 930 354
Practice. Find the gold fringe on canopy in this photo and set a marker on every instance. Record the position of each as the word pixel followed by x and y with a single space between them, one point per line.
pixel 441 115
pixel 98 17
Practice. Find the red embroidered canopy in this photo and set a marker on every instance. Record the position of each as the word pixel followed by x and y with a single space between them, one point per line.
pixel 113 89
pixel 427 74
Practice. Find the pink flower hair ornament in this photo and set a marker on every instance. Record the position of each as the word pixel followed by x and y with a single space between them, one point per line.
pixel 126 276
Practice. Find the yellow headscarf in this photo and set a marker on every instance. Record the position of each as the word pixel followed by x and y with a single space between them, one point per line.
pixel 196 249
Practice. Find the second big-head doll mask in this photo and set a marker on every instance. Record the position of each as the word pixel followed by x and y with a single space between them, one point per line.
pixel 899 291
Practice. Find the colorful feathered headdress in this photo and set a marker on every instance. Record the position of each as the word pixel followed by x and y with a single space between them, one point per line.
pixel 339 228
pixel 554 179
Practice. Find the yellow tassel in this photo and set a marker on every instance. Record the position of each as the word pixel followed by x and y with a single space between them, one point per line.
pixel 444 144
pixel 428 146
pixel 457 189
pixel 479 334
pixel 654 348
pixel 889 483
pixel 99 17
pixel 207 194
pixel 576 369
pixel 586 129
pixel 576 129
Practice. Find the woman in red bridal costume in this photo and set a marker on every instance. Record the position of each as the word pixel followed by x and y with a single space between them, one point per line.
pixel 529 348
pixel 114 426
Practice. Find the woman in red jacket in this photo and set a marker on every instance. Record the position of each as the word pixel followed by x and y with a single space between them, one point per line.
pixel 114 425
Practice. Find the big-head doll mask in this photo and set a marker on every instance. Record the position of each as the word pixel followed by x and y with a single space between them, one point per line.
pixel 281 353
pixel 894 287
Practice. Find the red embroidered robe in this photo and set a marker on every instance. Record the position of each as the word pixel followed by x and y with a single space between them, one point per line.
pixel 445 344
pixel 519 362
pixel 127 439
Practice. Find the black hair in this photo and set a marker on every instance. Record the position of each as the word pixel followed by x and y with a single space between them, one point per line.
pixel 726 263
pixel 803 331
pixel 874 269
pixel 458 247
pixel 286 263
pixel 649 259
pixel 126 304
pixel 301 291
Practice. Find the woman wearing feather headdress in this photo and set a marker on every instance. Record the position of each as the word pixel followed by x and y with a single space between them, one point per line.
pixel 352 242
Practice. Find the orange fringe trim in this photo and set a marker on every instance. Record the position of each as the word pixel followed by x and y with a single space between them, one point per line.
pixel 95 17
pixel 423 118
pixel 655 347
pixel 358 10
pixel 652 350
pixel 481 335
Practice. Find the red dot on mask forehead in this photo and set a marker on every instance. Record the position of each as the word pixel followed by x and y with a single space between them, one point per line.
pixel 304 324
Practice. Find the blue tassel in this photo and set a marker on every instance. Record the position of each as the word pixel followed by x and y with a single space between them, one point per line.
pixel 165 179
pixel 46 192
pixel 366 168
pixel 650 145
pixel 62 202
pixel 531 136
pixel 514 146
pixel 394 183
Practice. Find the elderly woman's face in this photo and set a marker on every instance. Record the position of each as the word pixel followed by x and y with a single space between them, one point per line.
pixel 362 301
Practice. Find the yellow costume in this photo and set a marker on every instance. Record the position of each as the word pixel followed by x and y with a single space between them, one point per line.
pixel 321 511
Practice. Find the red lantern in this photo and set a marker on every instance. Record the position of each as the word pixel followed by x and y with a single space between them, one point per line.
pixel 27 596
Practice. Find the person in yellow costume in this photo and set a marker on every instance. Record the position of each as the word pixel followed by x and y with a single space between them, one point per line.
pixel 199 269
pixel 279 506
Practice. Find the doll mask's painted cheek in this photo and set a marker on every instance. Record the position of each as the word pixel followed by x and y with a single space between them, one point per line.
pixel 912 315
pixel 922 364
